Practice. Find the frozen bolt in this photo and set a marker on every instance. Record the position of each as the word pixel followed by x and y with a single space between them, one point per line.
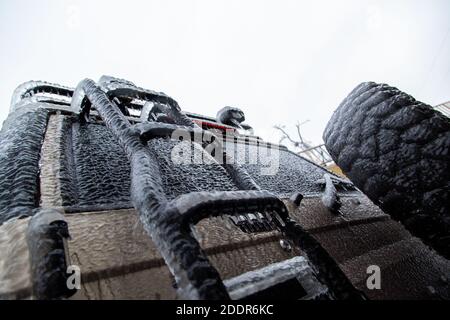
pixel 296 198
pixel 285 245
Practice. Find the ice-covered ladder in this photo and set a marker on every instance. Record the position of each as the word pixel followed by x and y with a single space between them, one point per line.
pixel 169 223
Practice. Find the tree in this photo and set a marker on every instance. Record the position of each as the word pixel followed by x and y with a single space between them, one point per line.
pixel 317 154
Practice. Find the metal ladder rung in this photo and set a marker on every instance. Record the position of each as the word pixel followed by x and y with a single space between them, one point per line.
pixel 152 130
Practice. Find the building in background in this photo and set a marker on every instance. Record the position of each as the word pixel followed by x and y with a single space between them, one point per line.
pixel 444 108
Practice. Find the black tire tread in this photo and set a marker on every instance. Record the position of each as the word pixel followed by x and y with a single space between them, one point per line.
pixel 397 151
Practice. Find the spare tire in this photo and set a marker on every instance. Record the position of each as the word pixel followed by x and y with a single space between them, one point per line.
pixel 397 151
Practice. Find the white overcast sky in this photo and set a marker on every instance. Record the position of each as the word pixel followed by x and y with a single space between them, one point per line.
pixel 279 61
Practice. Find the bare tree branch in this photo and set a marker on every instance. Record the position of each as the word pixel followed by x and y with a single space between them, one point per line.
pixel 314 153
pixel 286 135
pixel 302 144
